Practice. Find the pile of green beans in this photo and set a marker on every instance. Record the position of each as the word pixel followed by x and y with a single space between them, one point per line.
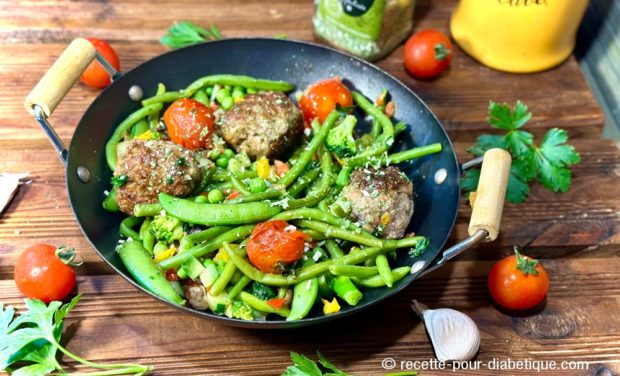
pixel 216 225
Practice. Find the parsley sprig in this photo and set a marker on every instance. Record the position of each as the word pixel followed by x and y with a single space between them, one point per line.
pixel 186 33
pixel 549 163
pixel 304 366
pixel 29 343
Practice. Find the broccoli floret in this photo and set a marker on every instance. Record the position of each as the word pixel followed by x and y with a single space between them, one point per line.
pixel 166 229
pixel 262 292
pixel 340 139
pixel 239 310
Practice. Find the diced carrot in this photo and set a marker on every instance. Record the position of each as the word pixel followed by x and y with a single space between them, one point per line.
pixel 276 303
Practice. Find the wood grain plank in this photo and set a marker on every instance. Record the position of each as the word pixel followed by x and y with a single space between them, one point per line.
pixel 564 329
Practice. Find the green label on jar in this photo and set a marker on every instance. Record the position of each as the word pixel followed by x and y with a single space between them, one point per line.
pixel 354 18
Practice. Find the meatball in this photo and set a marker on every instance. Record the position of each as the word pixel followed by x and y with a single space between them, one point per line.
pixel 263 124
pixel 196 295
pixel 152 167
pixel 375 192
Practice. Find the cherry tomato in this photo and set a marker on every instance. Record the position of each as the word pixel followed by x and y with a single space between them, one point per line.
pixel 95 74
pixel 190 123
pixel 275 244
pixel 321 98
pixel 518 282
pixel 427 53
pixel 41 274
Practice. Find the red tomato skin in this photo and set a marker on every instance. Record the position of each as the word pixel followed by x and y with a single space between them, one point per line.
pixel 186 120
pixel 95 74
pixel 419 54
pixel 511 289
pixel 39 274
pixel 270 246
pixel 320 99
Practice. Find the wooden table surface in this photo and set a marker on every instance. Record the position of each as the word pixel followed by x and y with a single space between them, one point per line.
pixel 577 234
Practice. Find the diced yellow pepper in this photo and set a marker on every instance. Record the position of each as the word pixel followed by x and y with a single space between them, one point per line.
pixel 238 100
pixel 330 307
pixel 262 168
pixel 148 135
pixel 165 254
pixel 221 254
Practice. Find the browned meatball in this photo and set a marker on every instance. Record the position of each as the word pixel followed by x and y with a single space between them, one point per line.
pixel 152 167
pixel 263 124
pixel 373 192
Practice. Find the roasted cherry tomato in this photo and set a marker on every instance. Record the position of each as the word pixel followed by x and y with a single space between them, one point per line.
pixel 518 282
pixel 95 75
pixel 41 272
pixel 190 123
pixel 321 98
pixel 275 244
pixel 427 53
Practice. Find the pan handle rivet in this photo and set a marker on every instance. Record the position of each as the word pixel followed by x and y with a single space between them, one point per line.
pixel 83 174
pixel 441 175
pixel 417 266
pixel 135 93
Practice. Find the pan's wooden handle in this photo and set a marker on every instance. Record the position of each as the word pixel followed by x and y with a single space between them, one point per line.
pixel 58 80
pixel 489 200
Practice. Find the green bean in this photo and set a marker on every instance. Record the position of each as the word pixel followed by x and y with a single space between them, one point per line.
pixel 254 274
pixel 374 112
pixel 353 270
pixel 238 287
pixel 215 196
pixel 190 240
pixel 261 305
pixel 304 295
pixel 225 276
pixel 139 128
pixel 252 197
pixel 333 249
pixel 318 215
pixel 315 235
pixel 343 176
pixel 217 214
pixel 144 227
pixel 109 203
pixel 140 265
pixel 399 128
pixel 153 118
pixel 126 227
pixel 223 175
pixel 306 156
pixel 239 185
pixel 323 187
pixel 411 241
pixel 383 267
pixel 376 281
pixel 168 96
pixel 340 233
pixel 346 290
pixel 235 80
pixel 201 97
pixel 147 210
pixel 122 128
pixel 408 154
pixel 203 249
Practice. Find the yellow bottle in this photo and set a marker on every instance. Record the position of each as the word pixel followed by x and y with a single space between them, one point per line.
pixel 517 35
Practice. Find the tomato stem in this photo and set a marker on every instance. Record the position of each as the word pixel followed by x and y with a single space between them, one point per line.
pixel 69 256
pixel 525 264
pixel 441 51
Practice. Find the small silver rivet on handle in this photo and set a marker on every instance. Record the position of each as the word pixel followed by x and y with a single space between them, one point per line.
pixel 83 174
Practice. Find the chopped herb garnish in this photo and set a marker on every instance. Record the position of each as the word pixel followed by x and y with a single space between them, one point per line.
pixel 181 162
pixel 119 180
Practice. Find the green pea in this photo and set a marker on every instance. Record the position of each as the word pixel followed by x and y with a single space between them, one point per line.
pixel 201 198
pixel 251 90
pixel 238 92
pixel 227 103
pixel 215 196
pixel 229 153
pixel 222 161
pixel 209 90
pixel 214 154
pixel 221 95
pixel 258 185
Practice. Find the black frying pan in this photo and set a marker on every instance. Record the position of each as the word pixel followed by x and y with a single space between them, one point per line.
pixel 435 178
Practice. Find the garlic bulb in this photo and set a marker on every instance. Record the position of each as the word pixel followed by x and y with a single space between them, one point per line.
pixel 454 335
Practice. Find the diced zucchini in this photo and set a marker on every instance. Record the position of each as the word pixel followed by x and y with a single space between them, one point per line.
pixel 209 274
pixel 217 304
pixel 193 268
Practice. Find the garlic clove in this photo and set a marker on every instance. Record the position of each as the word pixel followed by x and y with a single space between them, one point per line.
pixel 453 334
